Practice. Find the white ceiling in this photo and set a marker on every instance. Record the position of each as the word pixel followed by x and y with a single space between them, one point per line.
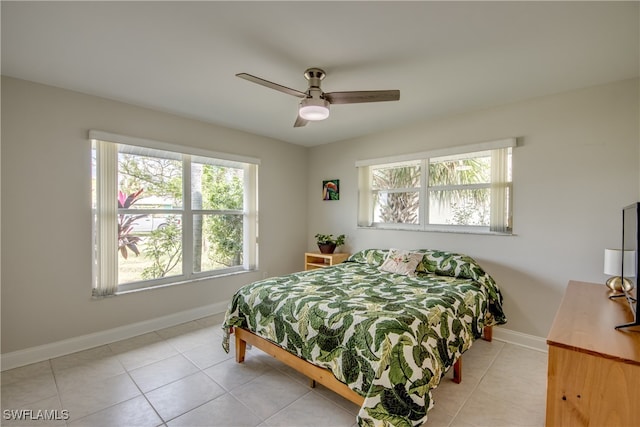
pixel 444 57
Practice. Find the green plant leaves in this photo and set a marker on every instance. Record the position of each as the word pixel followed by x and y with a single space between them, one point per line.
pixel 380 412
pixel 396 401
pixel 400 371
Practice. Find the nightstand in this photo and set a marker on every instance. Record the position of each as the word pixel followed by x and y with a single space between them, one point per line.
pixel 314 260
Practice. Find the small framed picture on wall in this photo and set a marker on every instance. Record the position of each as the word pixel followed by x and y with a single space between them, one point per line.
pixel 331 189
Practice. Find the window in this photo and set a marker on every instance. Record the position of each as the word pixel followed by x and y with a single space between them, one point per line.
pixel 458 189
pixel 163 215
pixel 396 193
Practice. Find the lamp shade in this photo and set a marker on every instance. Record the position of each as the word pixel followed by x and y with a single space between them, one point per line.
pixel 314 109
pixel 613 262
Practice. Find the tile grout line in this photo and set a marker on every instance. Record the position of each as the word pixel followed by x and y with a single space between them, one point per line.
pixel 163 421
pixel 58 394
pixel 200 370
pixel 484 374
pixel 287 406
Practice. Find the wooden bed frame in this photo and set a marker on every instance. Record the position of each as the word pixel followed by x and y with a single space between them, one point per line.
pixel 315 373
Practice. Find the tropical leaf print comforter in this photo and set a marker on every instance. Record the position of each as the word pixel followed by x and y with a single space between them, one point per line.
pixel 389 337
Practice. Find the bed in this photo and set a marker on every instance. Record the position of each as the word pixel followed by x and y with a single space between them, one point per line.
pixel 382 339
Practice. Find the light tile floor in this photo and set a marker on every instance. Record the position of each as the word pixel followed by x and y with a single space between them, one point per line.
pixel 180 376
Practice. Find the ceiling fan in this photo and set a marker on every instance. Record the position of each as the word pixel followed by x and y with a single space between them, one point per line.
pixel 315 103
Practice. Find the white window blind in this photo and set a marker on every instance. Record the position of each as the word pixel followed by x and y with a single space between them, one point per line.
pixel 106 277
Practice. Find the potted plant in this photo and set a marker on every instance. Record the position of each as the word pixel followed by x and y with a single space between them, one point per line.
pixel 327 243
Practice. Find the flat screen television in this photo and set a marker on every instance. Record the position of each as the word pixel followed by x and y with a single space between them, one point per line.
pixel 630 242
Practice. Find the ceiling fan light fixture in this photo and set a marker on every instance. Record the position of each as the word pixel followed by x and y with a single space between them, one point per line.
pixel 314 109
pixel 314 104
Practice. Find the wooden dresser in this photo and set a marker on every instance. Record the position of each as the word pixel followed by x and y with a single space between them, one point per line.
pixel 594 370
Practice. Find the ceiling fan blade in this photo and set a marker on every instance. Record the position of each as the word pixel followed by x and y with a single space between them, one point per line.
pixel 300 122
pixel 362 96
pixel 271 85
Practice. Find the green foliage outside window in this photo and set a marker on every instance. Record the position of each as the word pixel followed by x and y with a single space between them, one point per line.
pixel 218 237
pixel 398 200
pixel 164 249
pixel 398 207
pixel 222 189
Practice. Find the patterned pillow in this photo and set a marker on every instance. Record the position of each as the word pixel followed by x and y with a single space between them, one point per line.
pixel 373 257
pixel 401 261
pixel 450 264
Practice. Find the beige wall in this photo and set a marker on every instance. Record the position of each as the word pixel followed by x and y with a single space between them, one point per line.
pixel 577 167
pixel 46 216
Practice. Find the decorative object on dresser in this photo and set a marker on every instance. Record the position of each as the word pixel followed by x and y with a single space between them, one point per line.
pixel 593 371
pixel 618 281
pixel 630 243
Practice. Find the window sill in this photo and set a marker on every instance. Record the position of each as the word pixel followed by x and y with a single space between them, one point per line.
pixel 477 231
pixel 183 282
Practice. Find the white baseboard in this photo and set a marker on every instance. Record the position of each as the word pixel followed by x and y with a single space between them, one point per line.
pixel 60 348
pixel 518 338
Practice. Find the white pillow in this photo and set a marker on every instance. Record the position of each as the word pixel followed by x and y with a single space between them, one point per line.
pixel 401 261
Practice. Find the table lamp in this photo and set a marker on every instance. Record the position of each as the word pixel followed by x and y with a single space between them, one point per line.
pixel 613 266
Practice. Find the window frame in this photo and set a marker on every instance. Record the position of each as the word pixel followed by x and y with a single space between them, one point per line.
pixel 185 155
pixel 366 200
pixel 418 189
